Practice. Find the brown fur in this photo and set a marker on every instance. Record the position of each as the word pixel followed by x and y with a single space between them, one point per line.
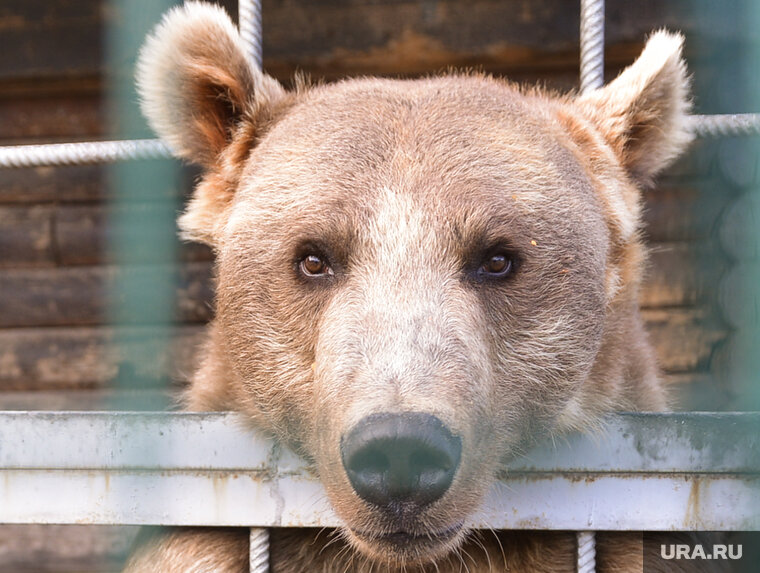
pixel 406 187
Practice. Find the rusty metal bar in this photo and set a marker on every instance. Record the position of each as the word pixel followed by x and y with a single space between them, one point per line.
pixel 642 472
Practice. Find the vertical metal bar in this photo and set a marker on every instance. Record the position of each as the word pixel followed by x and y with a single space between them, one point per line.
pixel 258 555
pixel 586 562
pixel 249 18
pixel 592 44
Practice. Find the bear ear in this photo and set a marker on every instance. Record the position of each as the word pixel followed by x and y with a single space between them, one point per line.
pixel 643 113
pixel 196 83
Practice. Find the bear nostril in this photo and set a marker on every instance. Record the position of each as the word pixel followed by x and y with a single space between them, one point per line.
pixel 394 458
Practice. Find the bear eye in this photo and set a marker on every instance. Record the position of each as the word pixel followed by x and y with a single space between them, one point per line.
pixel 314 266
pixel 497 265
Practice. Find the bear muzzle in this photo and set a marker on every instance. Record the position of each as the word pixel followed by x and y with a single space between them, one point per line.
pixel 400 462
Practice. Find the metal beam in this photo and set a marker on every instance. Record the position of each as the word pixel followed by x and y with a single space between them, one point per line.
pixel 639 471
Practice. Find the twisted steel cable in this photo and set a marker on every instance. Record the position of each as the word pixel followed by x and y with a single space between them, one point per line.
pixel 725 125
pixel 592 44
pixel 586 552
pixel 259 550
pixel 79 153
pixel 249 18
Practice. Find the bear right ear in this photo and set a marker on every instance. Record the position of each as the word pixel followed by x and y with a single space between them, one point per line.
pixel 643 112
pixel 196 83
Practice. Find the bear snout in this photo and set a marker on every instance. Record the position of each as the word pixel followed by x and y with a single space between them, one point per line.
pixel 400 462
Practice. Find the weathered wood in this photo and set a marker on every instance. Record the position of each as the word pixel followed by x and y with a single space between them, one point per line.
pixel 59 117
pixel 738 158
pixel 57 38
pixel 739 295
pixel 48 184
pixel 684 339
pixel 89 357
pixel 736 364
pixel 92 183
pixel 81 295
pixel 64 548
pixel 684 210
pixel 90 400
pixel 738 228
pixel 82 234
pixel 26 236
pixel 698 162
pixel 682 274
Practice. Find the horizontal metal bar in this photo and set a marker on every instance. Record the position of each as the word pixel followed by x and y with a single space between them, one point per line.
pixel 630 443
pixel 110 151
pixel 725 125
pixel 569 502
pixel 82 152
pixel 642 471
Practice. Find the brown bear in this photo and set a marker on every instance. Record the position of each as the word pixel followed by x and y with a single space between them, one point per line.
pixel 417 279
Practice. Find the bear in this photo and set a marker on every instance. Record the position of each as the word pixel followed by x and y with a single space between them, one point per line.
pixel 417 279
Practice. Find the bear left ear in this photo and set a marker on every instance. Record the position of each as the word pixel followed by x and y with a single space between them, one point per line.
pixel 643 113
pixel 196 83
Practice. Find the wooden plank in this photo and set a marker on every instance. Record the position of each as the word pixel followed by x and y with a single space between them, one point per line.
pixel 80 296
pixel 738 229
pixel 64 548
pixel 109 399
pixel 46 118
pixel 92 183
pixel 736 363
pixel 82 233
pixel 682 274
pixel 684 338
pixel 26 236
pixel 33 359
pixel 684 210
pixel 64 38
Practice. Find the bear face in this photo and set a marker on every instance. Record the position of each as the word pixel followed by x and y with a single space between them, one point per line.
pixel 416 279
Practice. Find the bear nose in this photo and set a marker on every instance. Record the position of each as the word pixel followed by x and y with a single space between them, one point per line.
pixel 395 458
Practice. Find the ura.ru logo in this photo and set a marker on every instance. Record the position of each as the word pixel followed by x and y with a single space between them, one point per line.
pixel 718 551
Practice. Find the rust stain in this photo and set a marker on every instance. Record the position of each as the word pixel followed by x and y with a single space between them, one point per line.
pixel 692 518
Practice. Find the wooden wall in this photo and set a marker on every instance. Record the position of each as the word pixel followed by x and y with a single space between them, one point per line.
pixel 57 66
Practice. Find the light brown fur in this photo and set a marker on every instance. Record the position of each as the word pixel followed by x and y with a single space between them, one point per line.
pixel 406 187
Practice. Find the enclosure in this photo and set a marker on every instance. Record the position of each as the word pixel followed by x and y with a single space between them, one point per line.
pixel 101 308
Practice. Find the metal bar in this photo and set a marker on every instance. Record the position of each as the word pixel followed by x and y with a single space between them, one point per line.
pixel 586 552
pixel 12 156
pixel 249 18
pixel 84 152
pixel 642 472
pixel 258 553
pixel 575 502
pixel 728 443
pixel 725 125
pixel 592 44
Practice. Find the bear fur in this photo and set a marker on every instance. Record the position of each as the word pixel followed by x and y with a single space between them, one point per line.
pixel 404 198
